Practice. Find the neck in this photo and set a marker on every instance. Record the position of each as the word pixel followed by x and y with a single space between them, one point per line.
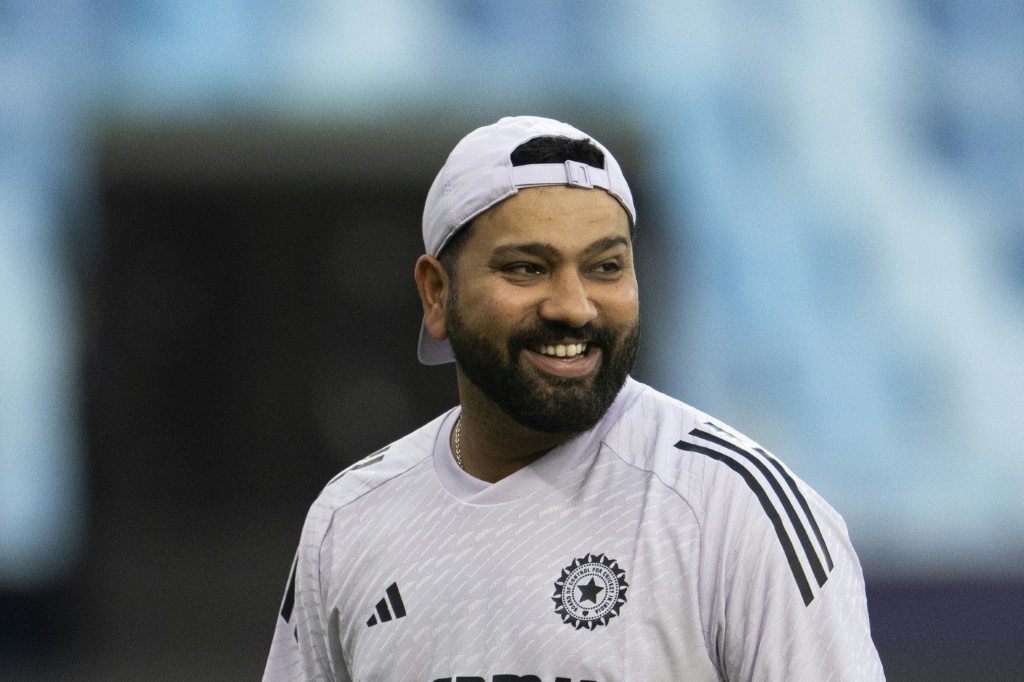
pixel 493 444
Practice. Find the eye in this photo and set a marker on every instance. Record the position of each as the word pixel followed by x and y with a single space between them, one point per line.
pixel 606 268
pixel 523 269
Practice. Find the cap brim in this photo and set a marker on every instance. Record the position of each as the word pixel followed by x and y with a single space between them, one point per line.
pixel 431 351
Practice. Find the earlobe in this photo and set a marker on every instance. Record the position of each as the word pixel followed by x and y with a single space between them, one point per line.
pixel 432 283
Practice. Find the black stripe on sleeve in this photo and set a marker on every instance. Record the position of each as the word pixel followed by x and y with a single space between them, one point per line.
pixel 289 595
pixel 798 525
pixel 367 461
pixel 803 505
pixel 364 462
pixel 769 509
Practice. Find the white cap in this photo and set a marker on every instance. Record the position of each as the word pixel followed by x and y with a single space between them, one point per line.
pixel 479 174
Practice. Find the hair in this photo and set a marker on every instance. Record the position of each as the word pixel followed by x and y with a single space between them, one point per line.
pixel 546 149
pixel 557 149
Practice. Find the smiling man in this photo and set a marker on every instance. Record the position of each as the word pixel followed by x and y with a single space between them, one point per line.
pixel 564 522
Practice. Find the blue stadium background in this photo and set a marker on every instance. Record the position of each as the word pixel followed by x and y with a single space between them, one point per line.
pixel 209 214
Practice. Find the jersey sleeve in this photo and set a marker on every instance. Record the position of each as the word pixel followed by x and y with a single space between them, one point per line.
pixel 781 587
pixel 307 642
pixel 305 645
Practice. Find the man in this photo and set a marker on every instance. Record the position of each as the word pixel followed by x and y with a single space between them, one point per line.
pixel 565 522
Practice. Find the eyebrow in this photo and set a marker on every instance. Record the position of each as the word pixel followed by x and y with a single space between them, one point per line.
pixel 545 250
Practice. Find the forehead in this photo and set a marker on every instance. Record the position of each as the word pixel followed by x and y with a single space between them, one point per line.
pixel 565 217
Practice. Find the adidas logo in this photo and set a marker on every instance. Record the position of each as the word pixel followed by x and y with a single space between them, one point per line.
pixel 383 613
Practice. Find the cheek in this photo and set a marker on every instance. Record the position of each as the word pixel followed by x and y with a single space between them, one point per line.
pixel 621 304
pixel 497 308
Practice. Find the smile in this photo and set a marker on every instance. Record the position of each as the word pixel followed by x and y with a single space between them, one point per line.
pixel 565 360
pixel 563 351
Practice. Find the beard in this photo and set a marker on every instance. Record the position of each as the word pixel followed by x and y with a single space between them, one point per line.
pixel 549 404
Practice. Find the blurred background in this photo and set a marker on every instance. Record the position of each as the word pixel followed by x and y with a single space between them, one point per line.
pixel 209 214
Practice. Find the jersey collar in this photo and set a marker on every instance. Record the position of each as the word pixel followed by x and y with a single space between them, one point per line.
pixel 558 471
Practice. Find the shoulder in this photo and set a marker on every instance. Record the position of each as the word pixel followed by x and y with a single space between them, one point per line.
pixel 371 475
pixel 709 463
pixel 649 435
pixel 661 434
pixel 771 550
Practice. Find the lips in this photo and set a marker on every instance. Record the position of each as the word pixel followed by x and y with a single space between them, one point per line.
pixel 565 360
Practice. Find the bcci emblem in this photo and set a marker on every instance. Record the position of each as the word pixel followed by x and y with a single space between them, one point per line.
pixel 590 592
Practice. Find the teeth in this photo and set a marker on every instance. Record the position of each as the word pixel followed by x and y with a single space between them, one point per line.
pixel 563 350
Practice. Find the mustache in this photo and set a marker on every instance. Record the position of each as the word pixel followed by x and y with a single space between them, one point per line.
pixel 550 332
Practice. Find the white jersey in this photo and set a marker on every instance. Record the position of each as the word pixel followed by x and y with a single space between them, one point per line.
pixel 660 545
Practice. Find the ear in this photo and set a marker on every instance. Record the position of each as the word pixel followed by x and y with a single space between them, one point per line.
pixel 432 283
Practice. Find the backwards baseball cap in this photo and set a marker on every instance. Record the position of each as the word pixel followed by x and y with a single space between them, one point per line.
pixel 479 174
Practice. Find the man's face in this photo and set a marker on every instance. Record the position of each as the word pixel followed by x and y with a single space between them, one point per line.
pixel 543 314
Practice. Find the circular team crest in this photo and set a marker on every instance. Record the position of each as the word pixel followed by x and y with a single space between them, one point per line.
pixel 590 592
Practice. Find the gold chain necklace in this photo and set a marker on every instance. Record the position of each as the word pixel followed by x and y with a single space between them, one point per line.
pixel 458 444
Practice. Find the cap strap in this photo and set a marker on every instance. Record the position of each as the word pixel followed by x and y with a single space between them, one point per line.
pixel 568 173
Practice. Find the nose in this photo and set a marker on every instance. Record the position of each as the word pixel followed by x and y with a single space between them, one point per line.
pixel 568 301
